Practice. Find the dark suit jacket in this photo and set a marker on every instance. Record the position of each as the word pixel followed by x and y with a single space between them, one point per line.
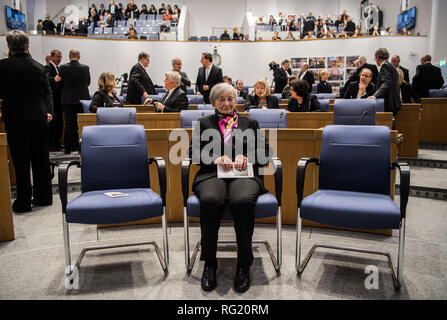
pixel 408 92
pixel 59 28
pixel 208 171
pixel 324 87
pixel 214 78
pixel 24 89
pixel 353 89
pixel 309 25
pixel 75 81
pixel 356 76
pixel 176 102
pixel 48 26
pixel 51 72
pixel 427 77
pixel 406 74
pixel 388 88
pixel 310 103
pixel 243 94
pixel 253 101
pixel 139 82
pixel 280 75
pixel 185 82
pixel 102 100
pixel 309 77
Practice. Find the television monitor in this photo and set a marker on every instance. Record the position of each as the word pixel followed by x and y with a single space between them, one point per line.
pixel 406 19
pixel 15 19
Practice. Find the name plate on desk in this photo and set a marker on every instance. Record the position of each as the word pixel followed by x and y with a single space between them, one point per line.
pixel 234 173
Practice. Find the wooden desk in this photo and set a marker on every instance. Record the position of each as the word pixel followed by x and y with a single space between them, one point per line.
pixel 433 120
pixel 407 122
pixel 6 221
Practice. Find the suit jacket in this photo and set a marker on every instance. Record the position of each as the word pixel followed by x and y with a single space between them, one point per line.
pixel 406 74
pixel 208 171
pixel 185 82
pixel 310 104
pixel 356 76
pixel 309 77
pixel 243 94
pixel 253 101
pixel 51 72
pixel 75 81
pixel 324 87
pixel 48 26
pixel 139 82
pixel 116 9
pixel 102 100
pixel 353 89
pixel 24 89
pixel 59 28
pixel 176 102
pixel 427 77
pixel 280 75
pixel 388 88
pixel 214 78
pixel 407 92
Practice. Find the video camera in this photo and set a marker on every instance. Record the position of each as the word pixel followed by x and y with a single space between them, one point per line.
pixel 273 66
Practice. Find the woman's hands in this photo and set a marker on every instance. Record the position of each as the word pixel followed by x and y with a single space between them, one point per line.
pixel 240 162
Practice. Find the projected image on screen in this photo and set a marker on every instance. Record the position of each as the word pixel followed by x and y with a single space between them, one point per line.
pixel 406 19
pixel 15 19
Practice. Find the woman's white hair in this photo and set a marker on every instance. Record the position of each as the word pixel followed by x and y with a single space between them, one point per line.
pixel 219 89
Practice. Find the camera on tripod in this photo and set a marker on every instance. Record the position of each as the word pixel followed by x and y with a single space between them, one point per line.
pixel 273 66
pixel 124 82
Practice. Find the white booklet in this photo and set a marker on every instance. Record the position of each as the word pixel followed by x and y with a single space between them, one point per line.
pixel 234 173
pixel 116 194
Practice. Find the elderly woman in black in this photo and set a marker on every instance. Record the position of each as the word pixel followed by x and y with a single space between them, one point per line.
pixel 215 193
pixel 261 98
pixel 301 100
pixel 105 97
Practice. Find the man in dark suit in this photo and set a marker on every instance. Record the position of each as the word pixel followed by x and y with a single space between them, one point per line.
pixel 75 79
pixel 361 89
pixel 26 110
pixel 48 25
pixel 56 125
pixel 113 8
pixel 175 98
pixel 427 77
pixel 239 89
pixel 387 84
pixel 361 63
pixel 140 84
pixel 61 27
pixel 83 27
pixel 307 75
pixel 395 60
pixel 177 66
pixel 208 76
pixel 281 75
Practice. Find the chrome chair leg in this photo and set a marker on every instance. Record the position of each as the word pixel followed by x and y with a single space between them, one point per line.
pixel 165 237
pixel 186 237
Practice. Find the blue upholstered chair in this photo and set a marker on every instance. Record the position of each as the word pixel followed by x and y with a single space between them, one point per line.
pixel 380 105
pixel 204 38
pixel 188 116
pixel 193 38
pixel 267 205
pixel 114 159
pixel 324 105
pixel 189 91
pixel 326 95
pixel 278 96
pixel 239 100
pixel 269 118
pixel 156 97
pixel 355 112
pixel 160 90
pixel 205 107
pixel 86 105
pixel 437 93
pixel 314 88
pixel 195 99
pixel 116 116
pixel 354 188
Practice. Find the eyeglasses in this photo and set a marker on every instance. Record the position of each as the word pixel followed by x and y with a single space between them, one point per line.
pixel 223 99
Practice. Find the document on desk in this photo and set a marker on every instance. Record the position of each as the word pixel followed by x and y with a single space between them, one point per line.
pixel 234 173
pixel 116 194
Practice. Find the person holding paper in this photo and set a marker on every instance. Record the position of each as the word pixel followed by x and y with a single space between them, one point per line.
pixel 229 136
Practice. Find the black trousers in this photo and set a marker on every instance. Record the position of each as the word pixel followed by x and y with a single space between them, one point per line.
pixel 241 195
pixel 71 138
pixel 56 126
pixel 28 143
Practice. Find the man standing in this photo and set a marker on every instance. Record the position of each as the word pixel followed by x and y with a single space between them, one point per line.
pixel 56 125
pixel 48 25
pixel 208 76
pixel 61 27
pixel 281 75
pixel 427 77
pixel 26 110
pixel 395 60
pixel 307 75
pixel 387 82
pixel 175 98
pixel 177 66
pixel 75 79
pixel 140 84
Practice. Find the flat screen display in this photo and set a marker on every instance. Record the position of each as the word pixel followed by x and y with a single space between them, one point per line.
pixel 15 19
pixel 406 19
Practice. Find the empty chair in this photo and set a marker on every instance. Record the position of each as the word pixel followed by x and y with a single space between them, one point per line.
pixel 152 36
pixel 195 99
pixel 151 17
pixel 188 116
pixel 190 91
pixel 354 189
pixel 149 23
pixel 278 96
pixel 212 38
pixel 86 105
pixel 437 93
pixel 116 116
pixel 205 107
pixel 324 105
pixel 269 118
pixel 355 112
pixel 138 29
pixel 326 95
pixel 121 23
pixel 314 88
pixel 115 186
pixel 108 31
pixel 139 23
pixel 160 90
pixel 90 30
pixel 203 38
pixel 142 17
pixel 380 105
pixel 193 38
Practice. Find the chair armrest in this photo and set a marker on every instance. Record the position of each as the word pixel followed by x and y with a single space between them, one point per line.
pixel 278 178
pixel 62 180
pixel 186 165
pixel 300 175
pixel 404 170
pixel 161 168
pixel 52 166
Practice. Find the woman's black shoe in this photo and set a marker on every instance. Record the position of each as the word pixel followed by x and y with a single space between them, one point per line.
pixel 242 279
pixel 209 280
pixel 20 208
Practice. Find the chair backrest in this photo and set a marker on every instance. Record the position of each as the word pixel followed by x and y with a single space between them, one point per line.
pixel 205 107
pixel 203 38
pixel 108 30
pixel 116 116
pixel 86 105
pixel 160 90
pixel 355 158
pixel 278 96
pixel 355 112
pixel 139 23
pixel 121 23
pixel 380 105
pixel 193 38
pixel 324 104
pixel 314 88
pixel 152 36
pixel 195 99
pixel 269 118
pixel 437 93
pixel 156 97
pixel 326 95
pixel 114 157
pixel 188 116
pixel 189 91
pixel 239 100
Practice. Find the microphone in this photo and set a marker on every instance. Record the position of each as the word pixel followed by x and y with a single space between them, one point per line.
pixel 362 116
pixel 280 117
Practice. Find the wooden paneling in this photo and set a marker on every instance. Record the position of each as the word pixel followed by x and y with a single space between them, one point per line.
pixel 433 120
pixel 6 221
pixel 408 122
